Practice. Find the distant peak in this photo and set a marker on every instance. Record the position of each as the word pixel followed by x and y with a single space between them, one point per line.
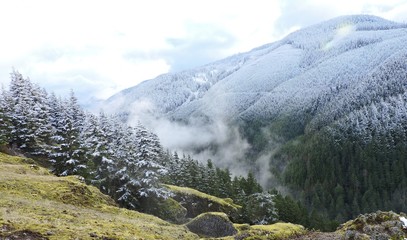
pixel 313 36
pixel 358 18
pixel 361 21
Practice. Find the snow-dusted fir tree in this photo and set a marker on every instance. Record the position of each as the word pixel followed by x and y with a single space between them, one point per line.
pixel 126 181
pixel 149 151
pixel 104 156
pixel 259 208
pixel 91 137
pixel 5 121
pixel 138 170
pixel 42 125
pixel 28 110
pixel 22 125
pixel 58 122
pixel 174 167
pixel 67 155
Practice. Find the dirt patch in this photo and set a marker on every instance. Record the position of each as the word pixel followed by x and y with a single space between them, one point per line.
pixel 318 236
pixel 22 235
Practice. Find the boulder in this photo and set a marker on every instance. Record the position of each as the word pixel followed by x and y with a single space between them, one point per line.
pixel 377 225
pixel 212 224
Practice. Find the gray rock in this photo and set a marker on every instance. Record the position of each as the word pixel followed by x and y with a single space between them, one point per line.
pixel 212 225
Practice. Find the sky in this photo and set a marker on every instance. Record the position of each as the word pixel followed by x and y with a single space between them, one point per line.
pixel 99 47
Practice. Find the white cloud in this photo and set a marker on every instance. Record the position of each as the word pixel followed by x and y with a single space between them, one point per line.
pixel 101 47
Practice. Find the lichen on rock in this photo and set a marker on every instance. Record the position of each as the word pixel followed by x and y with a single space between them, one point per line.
pixel 212 224
pixel 377 225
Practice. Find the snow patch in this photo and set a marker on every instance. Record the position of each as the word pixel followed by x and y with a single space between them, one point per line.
pixel 404 221
pixel 341 33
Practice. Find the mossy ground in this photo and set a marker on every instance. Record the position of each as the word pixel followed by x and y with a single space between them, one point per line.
pixel 280 230
pixel 64 208
pixel 190 191
pixel 275 231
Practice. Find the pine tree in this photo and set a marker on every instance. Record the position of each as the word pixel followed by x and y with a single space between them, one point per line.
pixel 106 157
pixel 210 183
pixel 5 118
pixel 259 208
pixel 138 172
pixel 41 122
pixel 175 170
pixel 126 181
pixel 22 123
pixel 148 157
pixel 67 155
pixel 251 186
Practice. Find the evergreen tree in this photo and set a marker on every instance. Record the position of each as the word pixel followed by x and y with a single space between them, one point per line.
pixel 106 155
pixel 259 208
pixel 67 156
pixel 138 172
pixel 21 118
pixel 250 185
pixel 41 122
pixel 287 209
pixel 148 157
pixel 5 118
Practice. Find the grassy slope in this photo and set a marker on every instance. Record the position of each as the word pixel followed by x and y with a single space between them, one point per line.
pixel 274 231
pixel 64 208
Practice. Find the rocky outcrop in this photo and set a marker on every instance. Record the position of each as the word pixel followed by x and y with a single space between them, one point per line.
pixel 197 202
pixel 212 224
pixel 166 209
pixel 378 225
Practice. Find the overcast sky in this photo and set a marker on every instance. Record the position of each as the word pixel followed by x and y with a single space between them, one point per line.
pixel 98 48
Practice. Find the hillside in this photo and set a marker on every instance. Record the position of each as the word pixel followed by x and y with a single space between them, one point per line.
pixel 34 202
pixel 305 71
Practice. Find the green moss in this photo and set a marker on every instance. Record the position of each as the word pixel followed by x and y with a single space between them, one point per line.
pixel 65 208
pixel 274 231
pixel 242 227
pixel 167 209
pixel 7 159
pixel 190 191
pixel 219 214
pixel 281 229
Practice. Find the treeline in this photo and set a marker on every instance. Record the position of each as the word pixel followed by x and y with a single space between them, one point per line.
pixel 356 164
pixel 187 172
pixel 341 176
pixel 123 161
pixel 258 206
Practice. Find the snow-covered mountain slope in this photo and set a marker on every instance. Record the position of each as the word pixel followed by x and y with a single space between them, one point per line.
pixel 326 70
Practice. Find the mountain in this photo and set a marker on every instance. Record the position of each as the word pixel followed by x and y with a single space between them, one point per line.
pixel 304 71
pixel 320 114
